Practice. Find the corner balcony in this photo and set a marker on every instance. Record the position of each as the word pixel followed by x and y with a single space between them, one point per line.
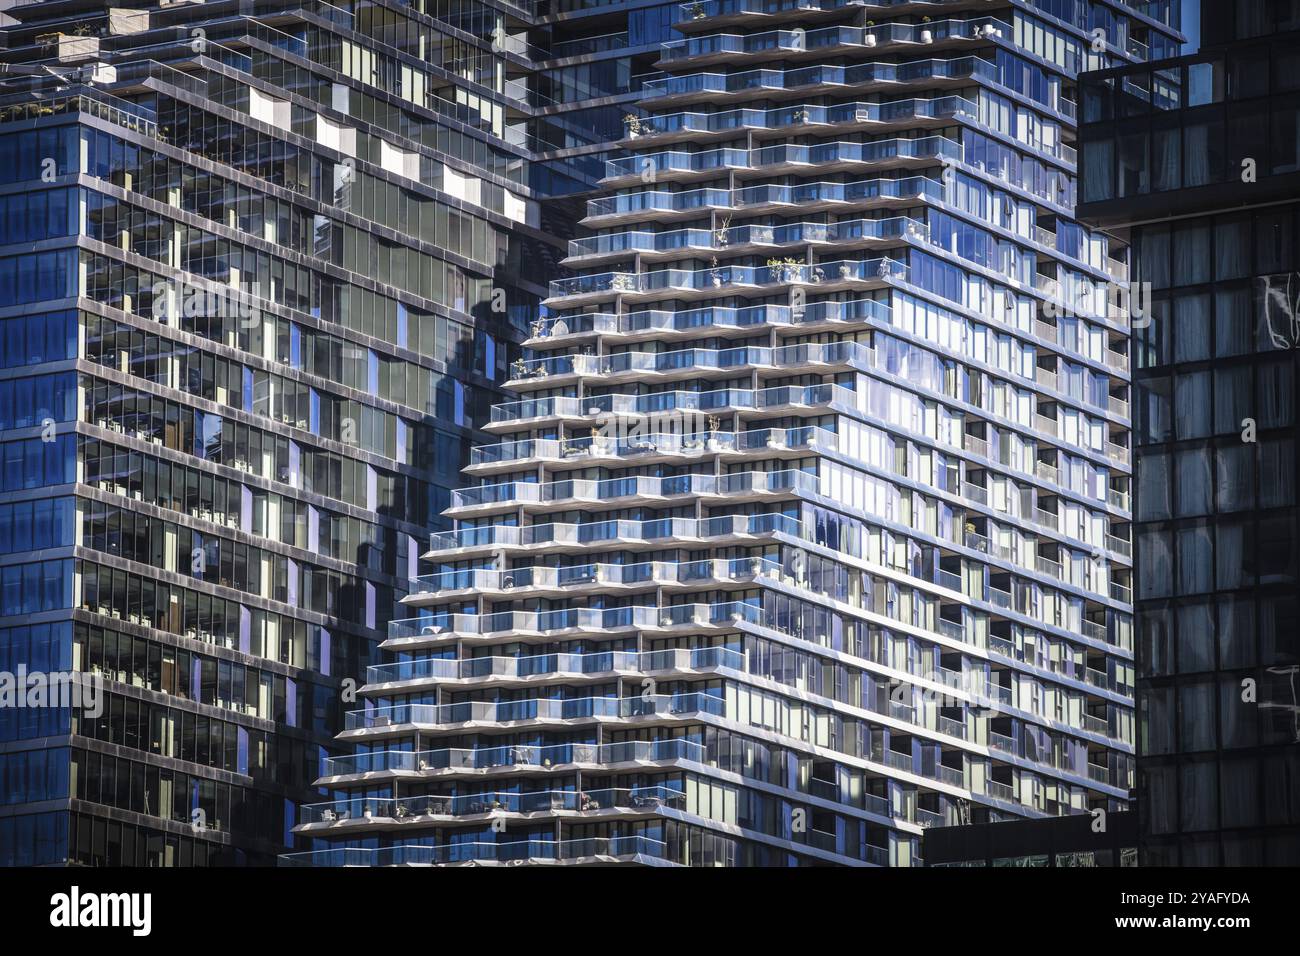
pixel 724 321
pixel 743 239
pixel 649 205
pixel 827 157
pixel 608 850
pixel 696 284
pixel 704 49
pixel 795 119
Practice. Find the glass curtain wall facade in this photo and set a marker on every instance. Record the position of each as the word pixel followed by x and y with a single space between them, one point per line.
pixel 1196 164
pixel 810 527
pixel 265 267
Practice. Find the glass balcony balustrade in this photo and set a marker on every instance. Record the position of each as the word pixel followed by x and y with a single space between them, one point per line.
pixel 790 357
pixel 849 230
pixel 767 194
pixel 821 76
pixel 641 444
pixel 720 279
pixel 536 709
pixel 797 115
pixel 415 810
pixel 613 531
pixel 666 162
pixel 513 851
pixel 826 38
pixel 536 665
pixel 712 317
pixel 571 490
pixel 491 758
pixel 698 10
pixel 579 575
pixel 446 625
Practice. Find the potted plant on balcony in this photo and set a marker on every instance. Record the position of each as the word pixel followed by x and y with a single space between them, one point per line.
pixel 869 39
pixel 786 270
pixel 720 234
pixel 714 424
pixel 632 123
pixel 715 274
pixel 927 36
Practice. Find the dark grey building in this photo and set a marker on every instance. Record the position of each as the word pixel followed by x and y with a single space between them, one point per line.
pixel 1080 841
pixel 1195 163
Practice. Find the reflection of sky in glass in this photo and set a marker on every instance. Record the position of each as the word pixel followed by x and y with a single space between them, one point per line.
pixel 1192 25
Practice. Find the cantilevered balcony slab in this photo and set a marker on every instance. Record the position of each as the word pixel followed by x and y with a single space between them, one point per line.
pixel 641 205
pixel 370 815
pixel 796 44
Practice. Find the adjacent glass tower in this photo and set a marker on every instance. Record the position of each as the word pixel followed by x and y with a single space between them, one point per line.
pixel 810 528
pixel 1196 163
pixel 264 268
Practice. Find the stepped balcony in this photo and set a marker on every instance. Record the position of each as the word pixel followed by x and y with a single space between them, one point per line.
pixel 591 850
pixel 645 449
pixel 694 126
pixel 709 48
pixel 827 157
pixel 562 537
pixel 700 15
pixel 655 204
pixel 556 758
pixel 721 87
pixel 540 668
pixel 374 813
pixel 659 324
pixel 653 709
pixel 536 497
pixel 588 411
pixel 742 239
pixel 549 581
pixel 641 366
pixel 726 280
